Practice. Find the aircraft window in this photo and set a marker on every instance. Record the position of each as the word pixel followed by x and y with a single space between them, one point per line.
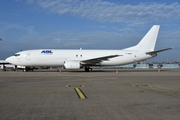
pixel 129 53
pixel 17 55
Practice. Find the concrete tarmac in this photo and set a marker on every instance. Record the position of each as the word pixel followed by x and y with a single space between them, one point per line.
pixel 130 94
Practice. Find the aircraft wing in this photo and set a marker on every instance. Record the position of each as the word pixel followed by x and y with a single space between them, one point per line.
pixel 157 51
pixel 95 61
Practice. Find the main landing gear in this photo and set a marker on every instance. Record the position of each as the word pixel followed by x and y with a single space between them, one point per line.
pixel 28 69
pixel 87 69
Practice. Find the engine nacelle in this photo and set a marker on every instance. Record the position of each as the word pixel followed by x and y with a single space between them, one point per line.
pixel 72 65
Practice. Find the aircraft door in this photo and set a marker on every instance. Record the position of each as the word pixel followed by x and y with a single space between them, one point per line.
pixel 28 56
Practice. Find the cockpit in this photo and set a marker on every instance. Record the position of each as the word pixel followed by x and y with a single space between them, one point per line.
pixel 17 55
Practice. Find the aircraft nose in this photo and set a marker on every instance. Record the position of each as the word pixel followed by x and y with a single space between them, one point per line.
pixel 10 59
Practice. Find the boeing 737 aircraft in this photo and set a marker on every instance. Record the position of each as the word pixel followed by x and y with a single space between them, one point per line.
pixel 76 59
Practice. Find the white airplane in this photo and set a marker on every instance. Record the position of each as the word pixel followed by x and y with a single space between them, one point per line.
pixel 76 59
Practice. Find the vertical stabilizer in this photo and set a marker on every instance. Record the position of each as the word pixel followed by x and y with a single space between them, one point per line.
pixel 148 41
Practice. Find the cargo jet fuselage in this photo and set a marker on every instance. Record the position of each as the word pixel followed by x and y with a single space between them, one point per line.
pixel 76 59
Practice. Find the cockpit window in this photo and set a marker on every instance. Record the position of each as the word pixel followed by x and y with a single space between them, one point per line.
pixel 17 55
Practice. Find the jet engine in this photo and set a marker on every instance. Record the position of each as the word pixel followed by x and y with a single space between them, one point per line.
pixel 72 65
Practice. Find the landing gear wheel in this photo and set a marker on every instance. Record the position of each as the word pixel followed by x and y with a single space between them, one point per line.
pixel 87 69
pixel 24 70
pixel 28 69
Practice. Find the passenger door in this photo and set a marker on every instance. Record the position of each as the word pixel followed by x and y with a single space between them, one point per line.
pixel 28 56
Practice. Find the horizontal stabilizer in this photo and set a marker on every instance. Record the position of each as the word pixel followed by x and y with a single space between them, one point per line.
pixel 157 51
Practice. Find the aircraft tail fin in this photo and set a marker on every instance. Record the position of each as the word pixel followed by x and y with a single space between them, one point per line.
pixel 148 41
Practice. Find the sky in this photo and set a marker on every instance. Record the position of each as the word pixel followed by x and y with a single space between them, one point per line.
pixel 88 24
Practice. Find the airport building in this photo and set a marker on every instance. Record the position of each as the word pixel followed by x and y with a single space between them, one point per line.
pixel 147 66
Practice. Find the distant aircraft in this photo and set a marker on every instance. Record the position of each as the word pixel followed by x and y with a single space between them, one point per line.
pixel 0 39
pixel 77 59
